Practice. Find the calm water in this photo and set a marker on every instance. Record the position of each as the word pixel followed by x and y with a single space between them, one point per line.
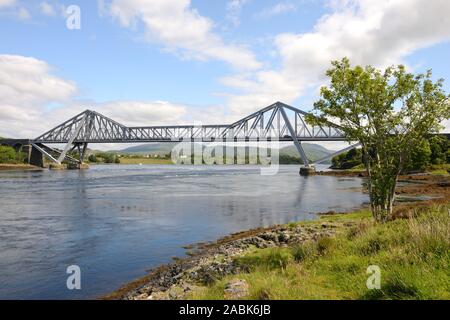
pixel 115 222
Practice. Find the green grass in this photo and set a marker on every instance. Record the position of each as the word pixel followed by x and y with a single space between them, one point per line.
pixel 413 255
pixel 441 169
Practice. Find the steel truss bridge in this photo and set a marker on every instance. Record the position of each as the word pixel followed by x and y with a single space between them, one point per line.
pixel 277 122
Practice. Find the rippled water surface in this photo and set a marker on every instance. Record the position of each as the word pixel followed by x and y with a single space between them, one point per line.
pixel 115 222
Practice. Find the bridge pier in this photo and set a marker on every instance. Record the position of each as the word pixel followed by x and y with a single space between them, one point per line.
pixel 307 170
pixel 81 148
pixel 77 166
pixel 36 158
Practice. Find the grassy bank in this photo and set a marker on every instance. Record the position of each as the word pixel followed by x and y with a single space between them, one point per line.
pixel 413 255
pixel 442 169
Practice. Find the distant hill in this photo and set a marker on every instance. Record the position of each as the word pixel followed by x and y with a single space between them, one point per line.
pixel 150 148
pixel 313 151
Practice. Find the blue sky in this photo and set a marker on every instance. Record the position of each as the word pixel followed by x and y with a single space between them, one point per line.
pixel 111 63
pixel 176 61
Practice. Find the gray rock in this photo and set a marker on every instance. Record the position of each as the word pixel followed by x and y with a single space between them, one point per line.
pixel 236 289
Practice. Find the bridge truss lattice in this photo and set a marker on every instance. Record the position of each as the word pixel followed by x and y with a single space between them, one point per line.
pixel 277 122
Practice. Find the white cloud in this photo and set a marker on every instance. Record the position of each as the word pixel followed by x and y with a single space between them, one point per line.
pixel 368 32
pixel 373 32
pixel 143 113
pixel 28 89
pixel 234 8
pixel 47 9
pixel 180 28
pixel 23 14
pixel 101 7
pixel 7 3
pixel 277 9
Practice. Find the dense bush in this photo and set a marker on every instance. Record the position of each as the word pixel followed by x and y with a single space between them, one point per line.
pixel 347 160
pixel 9 155
pixel 104 157
pixel 440 150
pixel 434 150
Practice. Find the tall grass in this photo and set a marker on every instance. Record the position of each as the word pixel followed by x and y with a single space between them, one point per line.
pixel 413 255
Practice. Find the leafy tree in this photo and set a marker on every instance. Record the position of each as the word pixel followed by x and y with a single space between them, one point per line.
pixel 106 157
pixel 439 147
pixel 92 158
pixel 388 112
pixel 7 155
pixel 347 160
pixel 420 157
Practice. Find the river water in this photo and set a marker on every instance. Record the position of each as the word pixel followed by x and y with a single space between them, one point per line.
pixel 116 222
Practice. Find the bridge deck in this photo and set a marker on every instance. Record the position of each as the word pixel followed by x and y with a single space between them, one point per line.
pixel 277 122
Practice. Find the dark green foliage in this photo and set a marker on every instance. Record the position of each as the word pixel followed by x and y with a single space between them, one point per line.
pixel 104 157
pixel 420 157
pixel 10 155
pixel 433 150
pixel 440 150
pixel 287 159
pixel 347 160
pixel 7 155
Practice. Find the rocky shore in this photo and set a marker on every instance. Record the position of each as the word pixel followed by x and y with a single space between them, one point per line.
pixel 212 261
pixel 207 262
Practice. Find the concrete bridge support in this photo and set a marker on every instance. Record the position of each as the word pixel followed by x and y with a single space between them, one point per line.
pixel 307 171
pixel 36 158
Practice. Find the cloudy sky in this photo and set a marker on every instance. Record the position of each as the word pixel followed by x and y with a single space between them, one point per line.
pixel 146 62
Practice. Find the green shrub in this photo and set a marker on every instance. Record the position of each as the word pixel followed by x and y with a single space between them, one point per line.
pixel 304 251
pixel 269 259
pixel 8 155
pixel 93 158
pixel 324 245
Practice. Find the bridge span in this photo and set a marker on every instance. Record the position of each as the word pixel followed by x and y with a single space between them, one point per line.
pixel 277 122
